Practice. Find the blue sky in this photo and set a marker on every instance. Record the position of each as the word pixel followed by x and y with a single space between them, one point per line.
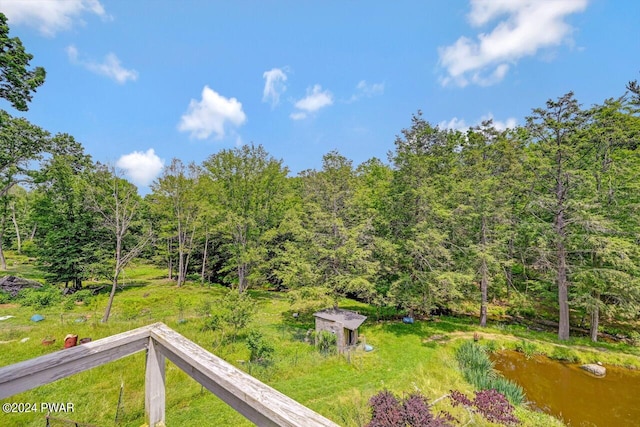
pixel 140 82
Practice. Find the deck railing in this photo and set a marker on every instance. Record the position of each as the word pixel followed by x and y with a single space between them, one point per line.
pixel 261 404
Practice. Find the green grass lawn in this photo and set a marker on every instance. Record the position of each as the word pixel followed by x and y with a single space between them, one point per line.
pixel 406 358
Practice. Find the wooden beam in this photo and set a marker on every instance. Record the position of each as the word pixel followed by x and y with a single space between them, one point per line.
pixel 261 404
pixel 45 369
pixel 154 388
pixel 255 400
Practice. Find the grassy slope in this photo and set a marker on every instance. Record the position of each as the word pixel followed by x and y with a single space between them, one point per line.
pixel 404 359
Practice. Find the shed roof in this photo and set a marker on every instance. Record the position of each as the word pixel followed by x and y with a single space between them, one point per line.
pixel 350 319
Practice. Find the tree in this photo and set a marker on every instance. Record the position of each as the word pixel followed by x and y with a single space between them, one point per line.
pixel 247 187
pixel 19 208
pixel 118 204
pixel 371 204
pixel 420 217
pixel 341 240
pixel 556 132
pixel 68 235
pixel 174 201
pixel 20 142
pixel 21 145
pixel 485 180
pixel 17 82
pixel 608 263
pixel 634 88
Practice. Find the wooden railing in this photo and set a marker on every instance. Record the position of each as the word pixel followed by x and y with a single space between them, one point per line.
pixel 258 402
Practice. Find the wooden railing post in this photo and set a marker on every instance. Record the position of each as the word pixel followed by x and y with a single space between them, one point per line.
pixel 154 390
pixel 258 402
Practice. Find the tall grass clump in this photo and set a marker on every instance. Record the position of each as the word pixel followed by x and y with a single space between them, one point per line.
pixel 527 348
pixel 477 369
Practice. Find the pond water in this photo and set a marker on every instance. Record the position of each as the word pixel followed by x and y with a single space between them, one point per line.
pixel 570 394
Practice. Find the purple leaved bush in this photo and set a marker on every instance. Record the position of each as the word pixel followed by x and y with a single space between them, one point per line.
pixel 491 404
pixel 413 411
pixel 386 410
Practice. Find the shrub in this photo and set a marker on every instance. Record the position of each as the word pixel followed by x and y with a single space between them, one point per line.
pixel 509 389
pixel 212 323
pixel 521 306
pixel 634 338
pixel 491 346
pixel 565 354
pixel 84 295
pixel 181 305
pixel 414 411
pixel 385 410
pixel 527 348
pixel 29 248
pixel 472 356
pixel 261 350
pixel 491 404
pixel 326 342
pixel 68 304
pixel 204 309
pixel 4 297
pixel 239 310
pixel 39 297
pixel 477 369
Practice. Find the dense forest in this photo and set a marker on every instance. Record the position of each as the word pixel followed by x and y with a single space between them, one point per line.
pixel 544 216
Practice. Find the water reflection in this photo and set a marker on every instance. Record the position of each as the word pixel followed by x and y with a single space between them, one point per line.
pixel 572 395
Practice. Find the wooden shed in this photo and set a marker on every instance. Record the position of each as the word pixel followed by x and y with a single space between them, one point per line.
pixel 342 323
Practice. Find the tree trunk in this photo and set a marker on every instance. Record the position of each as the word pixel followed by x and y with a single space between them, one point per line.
pixel 3 261
pixel 484 285
pixel 561 279
pixel 241 241
pixel 15 225
pixel 561 252
pixel 595 317
pixel 107 311
pixel 169 259
pixel 204 257
pixel 508 272
pixel 484 280
pixel 187 255
pixel 116 273
pixel 181 239
pixel 242 279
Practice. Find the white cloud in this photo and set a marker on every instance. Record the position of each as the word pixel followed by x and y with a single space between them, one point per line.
pixel 510 123
pixel 461 125
pixel 72 53
pixel 210 114
pixel 370 90
pixel 49 17
pixel 529 25
pixel 110 67
pixel 454 124
pixel 365 90
pixel 274 85
pixel 141 167
pixel 315 100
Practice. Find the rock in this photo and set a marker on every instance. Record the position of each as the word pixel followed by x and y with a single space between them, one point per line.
pixel 595 369
pixel 12 284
